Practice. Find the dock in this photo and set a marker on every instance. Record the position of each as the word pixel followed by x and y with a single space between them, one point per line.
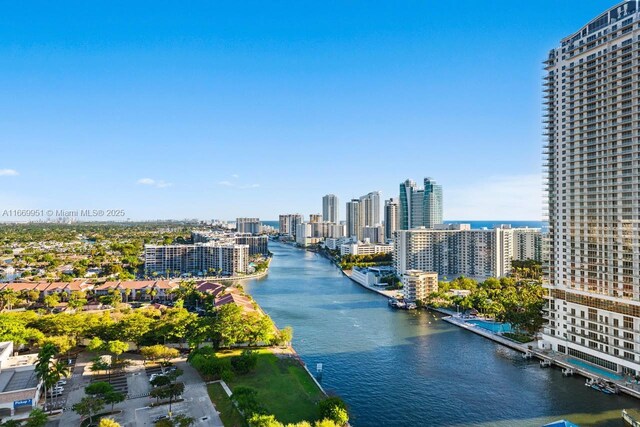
pixel 547 358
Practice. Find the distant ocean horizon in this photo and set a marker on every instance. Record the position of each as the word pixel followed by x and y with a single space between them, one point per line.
pixel 474 224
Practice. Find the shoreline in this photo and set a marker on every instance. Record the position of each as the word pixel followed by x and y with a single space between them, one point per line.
pixel 384 293
pixel 550 357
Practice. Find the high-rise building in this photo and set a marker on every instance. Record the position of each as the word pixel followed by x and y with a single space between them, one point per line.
pixel 288 224
pixel 420 206
pixel 313 218
pixel 370 209
pixel 199 258
pixel 432 208
pixel 408 193
pixel 330 210
pixel 456 250
pixel 591 116
pixel 248 225
pixel 354 219
pixel 374 234
pixel 391 217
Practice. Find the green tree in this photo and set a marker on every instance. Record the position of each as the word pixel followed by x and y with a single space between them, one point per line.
pixel 37 418
pixel 51 301
pixel 98 389
pixel 88 407
pixel 229 327
pixel 334 409
pixel 77 300
pixel 116 348
pixel 113 397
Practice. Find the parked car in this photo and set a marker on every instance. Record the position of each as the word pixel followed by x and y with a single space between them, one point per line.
pixel 160 418
pixel 61 383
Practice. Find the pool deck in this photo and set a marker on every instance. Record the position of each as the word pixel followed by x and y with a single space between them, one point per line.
pixel 559 360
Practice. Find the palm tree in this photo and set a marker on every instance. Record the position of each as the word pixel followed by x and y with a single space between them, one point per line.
pixel 43 370
pixel 127 292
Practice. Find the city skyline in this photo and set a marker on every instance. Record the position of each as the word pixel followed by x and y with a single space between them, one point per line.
pixel 195 114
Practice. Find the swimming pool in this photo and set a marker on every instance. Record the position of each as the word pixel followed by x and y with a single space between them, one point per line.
pixel 491 326
pixel 594 369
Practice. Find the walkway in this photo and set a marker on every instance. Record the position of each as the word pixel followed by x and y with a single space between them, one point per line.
pixel 558 359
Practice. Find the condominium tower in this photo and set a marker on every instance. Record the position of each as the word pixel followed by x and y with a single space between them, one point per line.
pixel 391 217
pixel 370 209
pixel 330 208
pixel 248 225
pixel 592 101
pixel 354 219
pixel 289 224
pixel 420 206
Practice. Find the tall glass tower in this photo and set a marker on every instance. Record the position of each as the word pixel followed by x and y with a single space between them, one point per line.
pixel 432 208
pixel 420 207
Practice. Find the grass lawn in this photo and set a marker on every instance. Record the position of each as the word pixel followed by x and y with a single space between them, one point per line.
pixel 228 413
pixel 284 387
pixel 521 338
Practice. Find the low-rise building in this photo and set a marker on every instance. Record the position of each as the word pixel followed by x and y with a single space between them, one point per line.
pixel 417 285
pixel 19 384
pixel 365 248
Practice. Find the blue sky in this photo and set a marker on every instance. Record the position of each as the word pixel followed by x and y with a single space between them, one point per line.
pixel 218 110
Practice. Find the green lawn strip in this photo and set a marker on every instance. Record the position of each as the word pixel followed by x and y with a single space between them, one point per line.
pixel 228 412
pixel 521 338
pixel 284 387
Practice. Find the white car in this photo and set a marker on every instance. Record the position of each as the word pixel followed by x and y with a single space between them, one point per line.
pixel 61 383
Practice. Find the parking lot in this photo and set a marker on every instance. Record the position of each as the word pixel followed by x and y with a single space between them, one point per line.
pixel 136 409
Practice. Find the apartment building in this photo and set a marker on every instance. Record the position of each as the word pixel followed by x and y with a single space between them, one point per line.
pixel 592 102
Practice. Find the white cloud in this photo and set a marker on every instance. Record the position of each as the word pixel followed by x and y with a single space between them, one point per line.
pixel 8 172
pixel 226 183
pixel 235 175
pixel 154 183
pixel 502 197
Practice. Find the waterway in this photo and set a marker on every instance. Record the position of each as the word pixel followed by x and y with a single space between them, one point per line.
pixel 410 368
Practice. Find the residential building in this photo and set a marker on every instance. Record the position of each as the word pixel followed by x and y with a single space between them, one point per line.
pixel 527 244
pixel 330 209
pixel 417 285
pixel 370 209
pixel 313 218
pixel 432 209
pixel 391 217
pixel 199 258
pixel 335 243
pixel 373 234
pixel 411 204
pixel 420 206
pixel 354 219
pixel 304 234
pixel 258 245
pixel 364 248
pixel 591 124
pixel 456 250
pixel 248 225
pixel 288 224
pixel 336 231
